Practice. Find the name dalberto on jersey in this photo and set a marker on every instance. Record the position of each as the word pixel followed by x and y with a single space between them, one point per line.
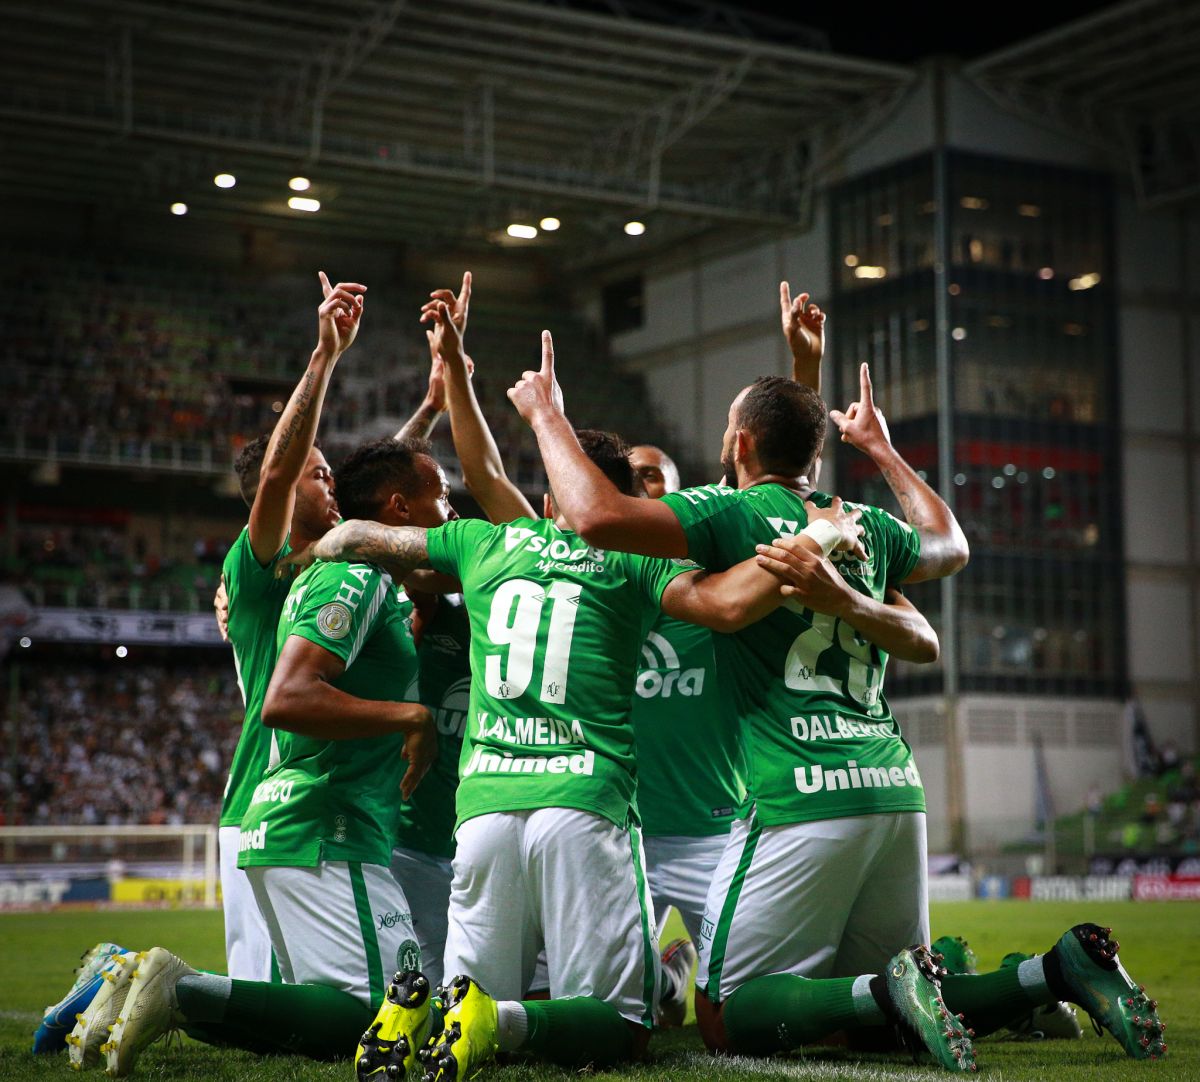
pixel 557 553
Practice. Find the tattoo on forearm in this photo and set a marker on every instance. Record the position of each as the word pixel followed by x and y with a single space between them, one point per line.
pixel 909 504
pixel 303 396
pixel 420 424
pixel 399 550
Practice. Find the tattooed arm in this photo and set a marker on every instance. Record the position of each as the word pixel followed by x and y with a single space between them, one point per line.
pixel 292 441
pixel 398 550
pixel 944 547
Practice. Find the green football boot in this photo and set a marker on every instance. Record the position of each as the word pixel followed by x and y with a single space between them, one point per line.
pixel 389 1047
pixel 924 1020
pixel 956 956
pixel 1087 959
pixel 468 1040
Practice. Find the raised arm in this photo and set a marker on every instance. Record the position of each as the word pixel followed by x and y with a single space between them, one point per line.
pixel 804 332
pixel 398 550
pixel 483 469
pixel 944 548
pixel 805 577
pixel 292 440
pixel 423 421
pixel 592 505
pixel 301 698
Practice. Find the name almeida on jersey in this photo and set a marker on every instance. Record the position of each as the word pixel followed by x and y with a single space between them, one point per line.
pixel 529 731
pixel 816 779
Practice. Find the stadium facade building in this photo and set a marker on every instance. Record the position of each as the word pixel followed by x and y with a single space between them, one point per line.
pixel 1032 320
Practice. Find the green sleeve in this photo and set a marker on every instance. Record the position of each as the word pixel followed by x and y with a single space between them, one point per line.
pixel 653 575
pixel 899 543
pixel 450 546
pixel 339 606
pixel 705 513
pixel 245 575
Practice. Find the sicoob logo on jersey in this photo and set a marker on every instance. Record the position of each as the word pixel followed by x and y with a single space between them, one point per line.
pixel 333 621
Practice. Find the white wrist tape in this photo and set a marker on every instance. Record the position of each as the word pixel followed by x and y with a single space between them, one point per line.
pixel 824 533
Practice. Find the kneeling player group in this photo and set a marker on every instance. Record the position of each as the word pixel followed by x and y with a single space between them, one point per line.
pixel 487 756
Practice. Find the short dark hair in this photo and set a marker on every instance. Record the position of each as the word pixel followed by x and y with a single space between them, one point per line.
pixel 248 466
pixel 786 420
pixel 610 454
pixel 361 479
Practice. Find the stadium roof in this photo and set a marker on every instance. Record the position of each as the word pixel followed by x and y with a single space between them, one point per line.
pixel 446 122
pixel 418 119
pixel 1126 78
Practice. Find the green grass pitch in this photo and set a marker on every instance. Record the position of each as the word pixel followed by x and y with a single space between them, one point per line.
pixel 1160 945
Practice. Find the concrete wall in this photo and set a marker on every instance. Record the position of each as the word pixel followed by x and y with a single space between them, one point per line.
pixel 1160 422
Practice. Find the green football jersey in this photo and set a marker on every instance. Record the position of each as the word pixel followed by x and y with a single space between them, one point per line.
pixel 689 760
pixel 556 627
pixel 330 800
pixel 426 822
pixel 821 742
pixel 255 601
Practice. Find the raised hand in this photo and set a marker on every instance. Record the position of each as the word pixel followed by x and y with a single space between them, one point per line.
pixel 803 327
pixel 863 425
pixel 459 305
pixel 445 339
pixel 339 315
pixel 538 392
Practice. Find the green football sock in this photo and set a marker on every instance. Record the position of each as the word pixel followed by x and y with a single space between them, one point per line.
pixel 782 1011
pixel 305 1019
pixel 572 1032
pixel 990 1001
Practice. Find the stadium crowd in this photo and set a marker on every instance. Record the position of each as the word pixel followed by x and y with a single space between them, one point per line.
pixel 117 744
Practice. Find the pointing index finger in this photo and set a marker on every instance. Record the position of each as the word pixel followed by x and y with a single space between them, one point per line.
pixel 547 354
pixel 864 384
pixel 785 298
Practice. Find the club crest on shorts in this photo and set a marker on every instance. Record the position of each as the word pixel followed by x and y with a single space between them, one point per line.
pixel 333 621
pixel 408 955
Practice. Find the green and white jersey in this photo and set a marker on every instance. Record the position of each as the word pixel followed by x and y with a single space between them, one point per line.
pixel 255 601
pixel 332 800
pixel 690 767
pixel 556 627
pixel 426 822
pixel 820 740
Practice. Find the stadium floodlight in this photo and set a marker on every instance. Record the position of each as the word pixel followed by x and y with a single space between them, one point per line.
pixel 865 270
pixel 522 232
pixel 26 642
pixel 299 184
pixel 1084 281
pixel 635 229
pixel 122 651
pixel 301 202
pixel 224 180
pixel 179 209
pixel 550 224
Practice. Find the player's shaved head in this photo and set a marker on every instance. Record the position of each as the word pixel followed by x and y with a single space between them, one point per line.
pixel 786 422
pixel 374 471
pixel 656 469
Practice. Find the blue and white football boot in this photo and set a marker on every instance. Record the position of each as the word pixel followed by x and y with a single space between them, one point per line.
pixel 59 1020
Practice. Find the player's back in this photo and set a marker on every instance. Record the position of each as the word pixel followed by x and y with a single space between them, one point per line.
pixel 820 737
pixel 556 631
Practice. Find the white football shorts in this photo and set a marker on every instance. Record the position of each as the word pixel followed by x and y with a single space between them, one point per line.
pixel 680 870
pixel 426 882
pixel 247 940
